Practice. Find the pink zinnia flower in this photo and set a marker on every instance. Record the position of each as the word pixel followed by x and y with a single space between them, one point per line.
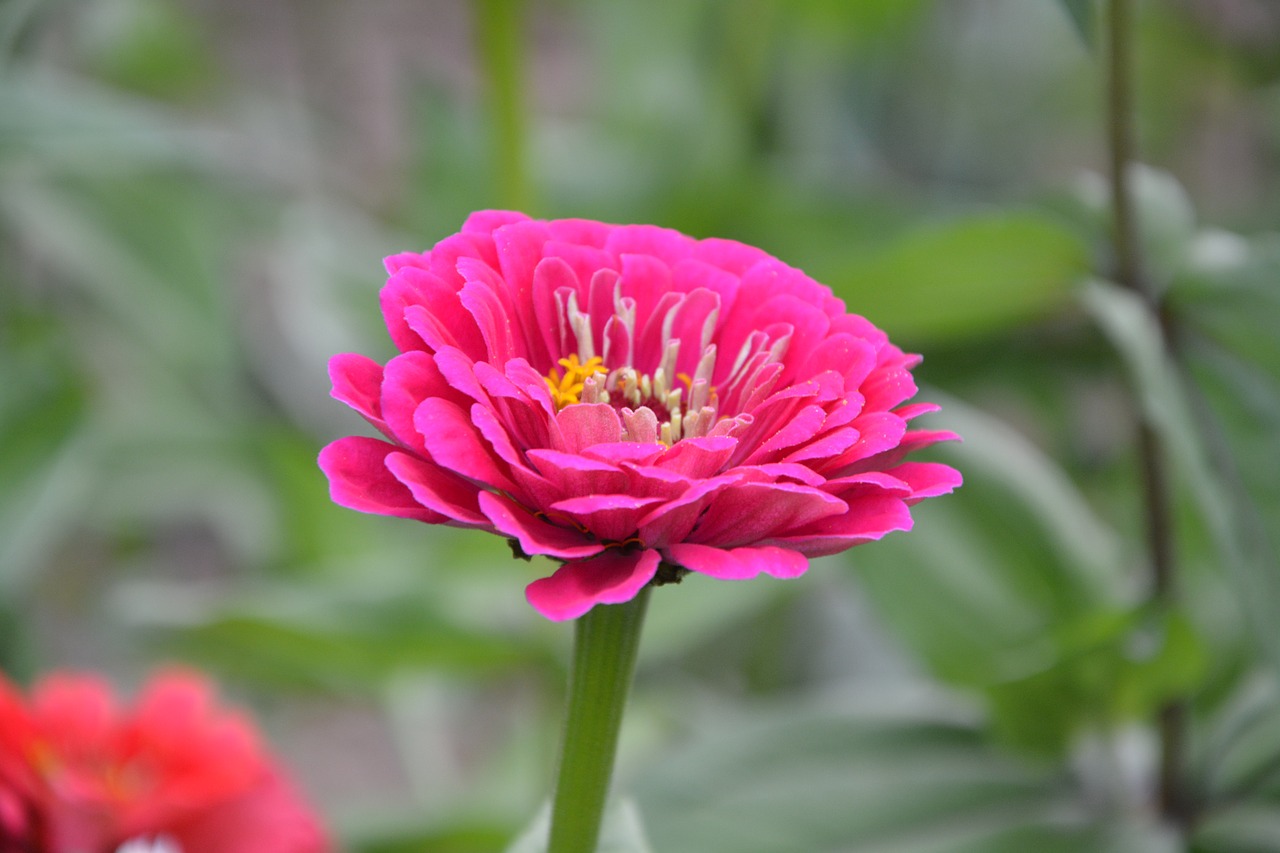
pixel 172 774
pixel 632 402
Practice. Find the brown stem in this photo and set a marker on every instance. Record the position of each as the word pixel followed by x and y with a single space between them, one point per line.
pixel 1153 456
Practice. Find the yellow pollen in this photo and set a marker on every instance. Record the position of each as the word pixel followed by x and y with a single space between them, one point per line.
pixel 566 389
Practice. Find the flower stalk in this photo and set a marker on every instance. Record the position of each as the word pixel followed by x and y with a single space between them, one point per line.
pixel 606 641
pixel 498 24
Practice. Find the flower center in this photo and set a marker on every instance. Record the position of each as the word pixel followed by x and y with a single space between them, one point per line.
pixel 650 407
pixel 567 389
pixel 667 403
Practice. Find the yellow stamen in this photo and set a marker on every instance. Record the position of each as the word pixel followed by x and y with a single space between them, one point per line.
pixel 567 389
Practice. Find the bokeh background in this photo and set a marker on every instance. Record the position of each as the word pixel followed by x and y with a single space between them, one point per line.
pixel 195 196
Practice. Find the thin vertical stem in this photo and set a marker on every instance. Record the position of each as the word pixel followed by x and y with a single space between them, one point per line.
pixel 499 26
pixel 606 641
pixel 1153 457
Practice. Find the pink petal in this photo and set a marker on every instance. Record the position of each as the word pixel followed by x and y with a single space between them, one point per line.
pixel 810 326
pixel 454 443
pixel 886 387
pixel 851 357
pixel 550 276
pixel 438 489
pixel 774 471
pixel 359 479
pixel 588 232
pixel 585 261
pixel 698 457
pixel 611 578
pixel 830 445
pixel 927 479
pixel 599 303
pixel 400 260
pixel 729 255
pixel 690 274
pixel 357 381
pixel 691 322
pixel 420 307
pixel 867 483
pixel 535 535
pixel 665 244
pixel 748 512
pixel 624 451
pixel 496 320
pixel 739 563
pixel 802 426
pixel 915 410
pixel 459 370
pixel 612 518
pixel 407 380
pixel 877 432
pixel 585 424
pixel 647 280
pixel 488 221
pixel 673 520
pixel 868 519
pixel 572 475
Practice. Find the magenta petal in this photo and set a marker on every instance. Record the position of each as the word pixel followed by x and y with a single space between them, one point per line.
pixel 869 518
pixel 802 426
pixel 453 442
pixel 927 479
pixel 576 475
pixel 357 381
pixel 409 379
pixel 611 578
pixel 624 451
pixel 831 444
pixel 535 535
pixel 359 479
pixel 488 221
pixel 698 457
pixel 585 424
pixel 438 489
pixel 747 512
pixel 672 520
pixel 739 563
pixel 612 518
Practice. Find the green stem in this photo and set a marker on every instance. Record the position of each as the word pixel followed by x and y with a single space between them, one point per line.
pixel 499 32
pixel 606 640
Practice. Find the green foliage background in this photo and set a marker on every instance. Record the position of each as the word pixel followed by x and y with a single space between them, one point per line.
pixel 194 198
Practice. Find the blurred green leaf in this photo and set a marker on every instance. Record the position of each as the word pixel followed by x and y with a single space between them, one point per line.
pixel 994 450
pixel 1241 752
pixel 1083 15
pixel 1251 828
pixel 149 46
pixel 969 277
pixel 344 654
pixel 68 124
pixel 900 774
pixel 463 838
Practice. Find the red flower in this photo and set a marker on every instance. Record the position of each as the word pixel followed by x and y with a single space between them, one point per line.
pixel 632 402
pixel 173 774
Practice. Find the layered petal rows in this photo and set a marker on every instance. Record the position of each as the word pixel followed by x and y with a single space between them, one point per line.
pixel 632 402
pixel 172 774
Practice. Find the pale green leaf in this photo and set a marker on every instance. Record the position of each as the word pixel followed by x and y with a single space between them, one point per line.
pixel 969 277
